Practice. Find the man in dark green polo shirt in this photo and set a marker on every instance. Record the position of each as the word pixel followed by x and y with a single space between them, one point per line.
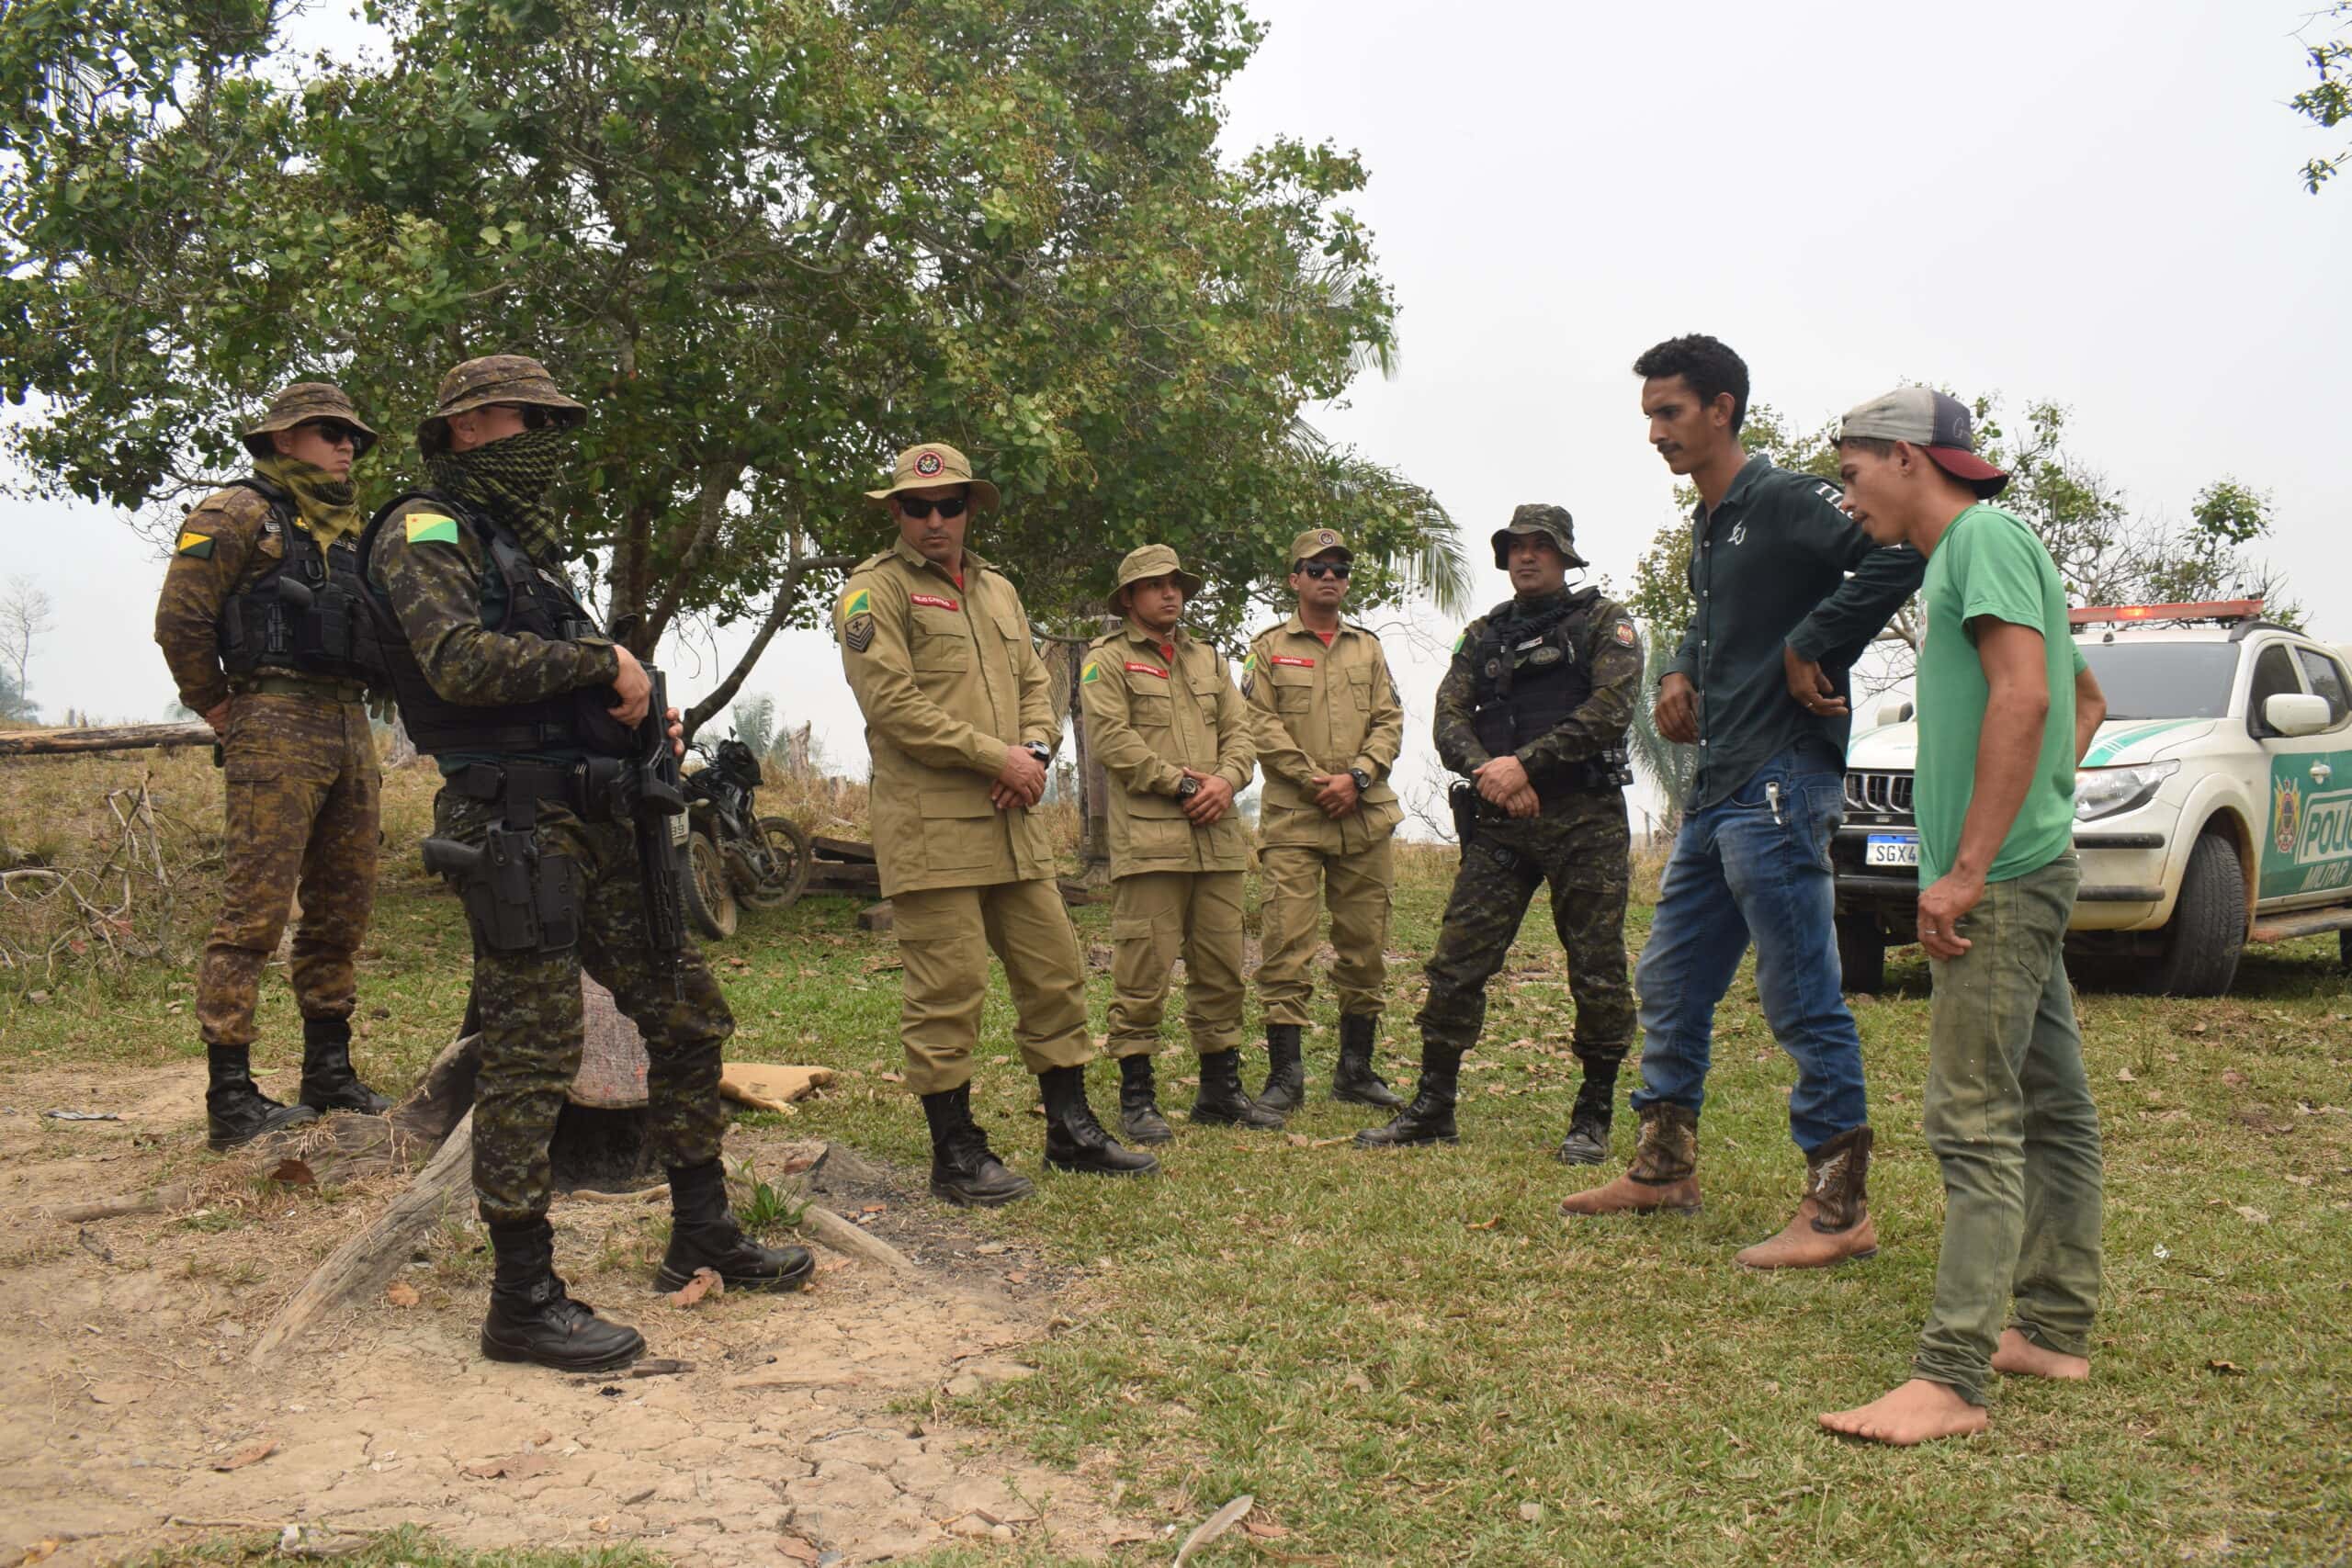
pixel 2007 708
pixel 1786 592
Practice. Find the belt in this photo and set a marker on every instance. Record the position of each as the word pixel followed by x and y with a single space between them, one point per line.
pixel 325 688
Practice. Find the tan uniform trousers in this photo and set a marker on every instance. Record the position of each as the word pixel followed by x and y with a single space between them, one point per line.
pixel 1158 916
pixel 945 935
pixel 1360 889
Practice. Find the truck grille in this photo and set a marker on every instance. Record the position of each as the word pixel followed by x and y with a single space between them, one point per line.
pixel 1879 793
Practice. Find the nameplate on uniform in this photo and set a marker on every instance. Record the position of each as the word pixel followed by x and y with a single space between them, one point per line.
pixel 195 544
pixel 1136 668
pixel 1301 663
pixel 934 599
pixel 431 528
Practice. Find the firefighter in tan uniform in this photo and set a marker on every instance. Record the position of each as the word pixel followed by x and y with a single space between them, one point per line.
pixel 1328 728
pixel 1173 735
pixel 936 646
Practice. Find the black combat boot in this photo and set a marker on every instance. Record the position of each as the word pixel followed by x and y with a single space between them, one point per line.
pixel 1285 1088
pixel 1139 1117
pixel 234 1110
pixel 1074 1139
pixel 328 1081
pixel 531 1317
pixel 1222 1103
pixel 704 1234
pixel 1429 1119
pixel 1587 1139
pixel 964 1170
pixel 1353 1080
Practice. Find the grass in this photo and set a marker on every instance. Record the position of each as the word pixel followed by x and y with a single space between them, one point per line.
pixel 1411 1357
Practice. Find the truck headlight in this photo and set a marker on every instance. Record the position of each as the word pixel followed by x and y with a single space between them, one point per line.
pixel 2109 791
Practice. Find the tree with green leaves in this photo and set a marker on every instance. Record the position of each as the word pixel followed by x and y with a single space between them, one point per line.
pixel 771 242
pixel 2328 101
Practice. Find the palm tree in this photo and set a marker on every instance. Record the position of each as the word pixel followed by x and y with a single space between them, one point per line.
pixel 1667 766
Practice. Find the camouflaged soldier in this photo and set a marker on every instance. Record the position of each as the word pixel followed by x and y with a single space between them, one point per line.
pixel 1328 728
pixel 1175 738
pixel 936 646
pixel 261 622
pixel 508 680
pixel 1534 712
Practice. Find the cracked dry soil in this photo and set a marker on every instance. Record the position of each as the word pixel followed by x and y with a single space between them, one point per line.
pixel 807 1428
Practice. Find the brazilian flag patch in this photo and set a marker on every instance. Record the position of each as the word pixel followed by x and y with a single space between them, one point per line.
pixel 195 544
pixel 858 603
pixel 1091 673
pixel 431 528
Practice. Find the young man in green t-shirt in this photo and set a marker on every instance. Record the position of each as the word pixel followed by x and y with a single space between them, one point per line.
pixel 2007 708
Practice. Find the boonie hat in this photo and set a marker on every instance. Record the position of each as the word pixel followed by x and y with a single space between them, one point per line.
pixel 495 379
pixel 1152 560
pixel 936 463
pixel 1317 541
pixel 1938 424
pixel 299 404
pixel 1538 517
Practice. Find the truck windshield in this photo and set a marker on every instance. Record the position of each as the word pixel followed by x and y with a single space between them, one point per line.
pixel 2164 680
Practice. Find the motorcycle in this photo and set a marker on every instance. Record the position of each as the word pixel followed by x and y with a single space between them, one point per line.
pixel 733 855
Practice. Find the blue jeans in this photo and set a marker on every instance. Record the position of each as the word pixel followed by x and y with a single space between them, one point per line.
pixel 1743 869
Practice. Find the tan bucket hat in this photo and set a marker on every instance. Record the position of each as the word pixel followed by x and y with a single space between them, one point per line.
pixel 1541 518
pixel 1316 542
pixel 495 379
pixel 936 463
pixel 300 403
pixel 1152 560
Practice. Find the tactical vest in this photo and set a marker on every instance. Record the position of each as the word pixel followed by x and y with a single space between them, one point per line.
pixel 1532 674
pixel 306 611
pixel 535 601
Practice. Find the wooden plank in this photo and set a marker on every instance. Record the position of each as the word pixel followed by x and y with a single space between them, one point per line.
pixel 821 848
pixel 102 738
pixel 876 917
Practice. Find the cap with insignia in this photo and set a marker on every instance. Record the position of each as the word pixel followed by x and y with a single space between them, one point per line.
pixel 1545 520
pixel 936 463
pixel 1318 542
pixel 301 403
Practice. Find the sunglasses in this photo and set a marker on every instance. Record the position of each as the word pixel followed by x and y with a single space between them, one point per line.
pixel 952 506
pixel 1321 569
pixel 335 434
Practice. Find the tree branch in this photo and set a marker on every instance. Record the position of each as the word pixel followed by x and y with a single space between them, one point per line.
pixel 700 714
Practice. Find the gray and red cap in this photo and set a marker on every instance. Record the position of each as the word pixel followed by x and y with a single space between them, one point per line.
pixel 1938 424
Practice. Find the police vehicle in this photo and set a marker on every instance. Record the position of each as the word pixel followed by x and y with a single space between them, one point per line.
pixel 2214 808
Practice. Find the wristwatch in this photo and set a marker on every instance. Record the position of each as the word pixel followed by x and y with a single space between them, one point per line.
pixel 1189 788
pixel 1039 749
pixel 1363 780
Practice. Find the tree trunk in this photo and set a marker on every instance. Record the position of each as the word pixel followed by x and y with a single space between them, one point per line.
pixel 102 738
pixel 699 715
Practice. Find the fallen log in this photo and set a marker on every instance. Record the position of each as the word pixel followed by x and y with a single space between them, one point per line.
pixel 838 1234
pixel 366 1264
pixel 122 1208
pixel 102 738
pixel 349 1148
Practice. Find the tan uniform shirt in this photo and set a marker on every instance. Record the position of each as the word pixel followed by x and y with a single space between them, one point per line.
pixel 948 677
pixel 1150 715
pixel 1323 710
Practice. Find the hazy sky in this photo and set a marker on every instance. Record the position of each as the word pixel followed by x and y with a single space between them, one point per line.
pixel 2094 203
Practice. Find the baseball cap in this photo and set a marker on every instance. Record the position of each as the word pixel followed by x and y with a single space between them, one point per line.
pixel 1938 424
pixel 1317 541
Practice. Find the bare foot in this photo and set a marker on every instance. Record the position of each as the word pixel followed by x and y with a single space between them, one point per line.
pixel 2019 1357
pixel 1919 1411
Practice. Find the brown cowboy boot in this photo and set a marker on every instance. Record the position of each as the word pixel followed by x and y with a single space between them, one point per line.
pixel 1833 1224
pixel 1662 1174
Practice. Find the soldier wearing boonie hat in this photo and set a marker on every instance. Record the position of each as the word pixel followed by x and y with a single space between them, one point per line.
pixel 1329 727
pixel 1532 715
pixel 511 683
pixel 935 643
pixel 261 622
pixel 1174 737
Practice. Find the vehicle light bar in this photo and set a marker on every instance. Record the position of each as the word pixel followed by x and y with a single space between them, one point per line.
pixel 2223 610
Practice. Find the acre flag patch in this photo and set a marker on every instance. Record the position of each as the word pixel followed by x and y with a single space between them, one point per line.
pixel 431 528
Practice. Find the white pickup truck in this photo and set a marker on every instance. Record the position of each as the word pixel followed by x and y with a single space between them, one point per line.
pixel 2214 808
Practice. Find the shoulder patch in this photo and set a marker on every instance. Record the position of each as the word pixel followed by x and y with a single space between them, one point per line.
pixel 431 528
pixel 857 632
pixel 859 602
pixel 194 543
pixel 1091 673
pixel 1625 633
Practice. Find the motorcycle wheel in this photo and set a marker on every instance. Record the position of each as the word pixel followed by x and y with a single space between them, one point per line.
pixel 709 901
pixel 787 846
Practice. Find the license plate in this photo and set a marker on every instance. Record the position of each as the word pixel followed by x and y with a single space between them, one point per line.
pixel 1891 849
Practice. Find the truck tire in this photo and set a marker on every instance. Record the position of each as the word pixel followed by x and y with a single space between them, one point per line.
pixel 2206 933
pixel 1862 955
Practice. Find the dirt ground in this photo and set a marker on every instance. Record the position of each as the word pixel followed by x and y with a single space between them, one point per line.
pixel 804 1429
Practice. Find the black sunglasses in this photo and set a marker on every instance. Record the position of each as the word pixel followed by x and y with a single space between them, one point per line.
pixel 918 508
pixel 334 435
pixel 1338 568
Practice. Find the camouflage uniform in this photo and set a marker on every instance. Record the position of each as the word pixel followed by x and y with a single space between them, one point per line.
pixel 298 760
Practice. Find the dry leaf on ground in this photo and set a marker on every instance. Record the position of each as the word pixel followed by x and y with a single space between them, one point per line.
pixel 706 1282
pixel 294 1173
pixel 513 1467
pixel 1215 1524
pixel 400 1293
pixel 251 1453
pixel 796 1550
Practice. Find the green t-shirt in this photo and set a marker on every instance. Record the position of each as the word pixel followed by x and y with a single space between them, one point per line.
pixel 1989 563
